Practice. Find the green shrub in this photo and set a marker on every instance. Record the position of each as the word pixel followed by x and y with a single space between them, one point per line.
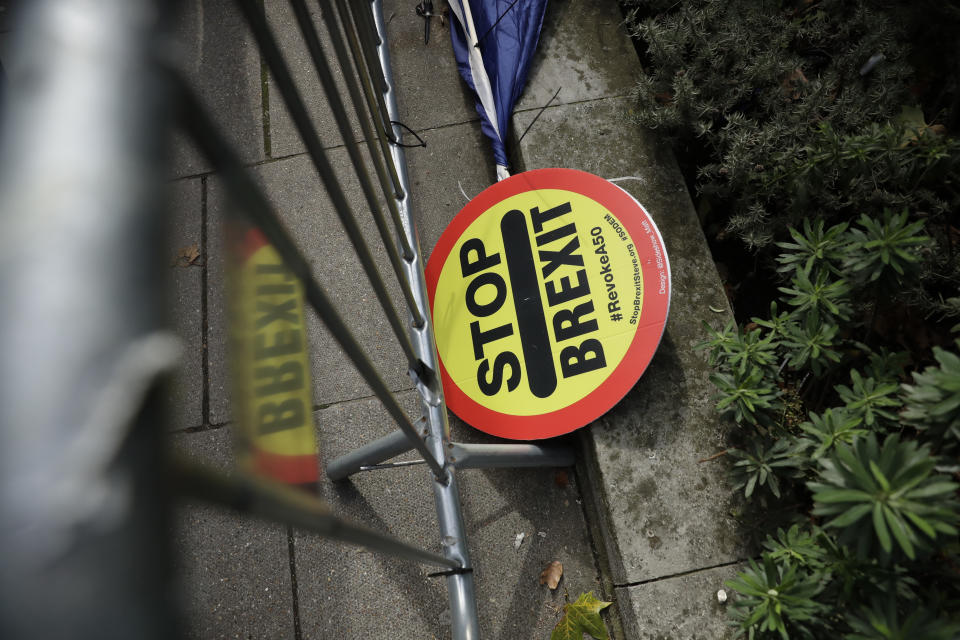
pixel 933 402
pixel 778 597
pixel 794 110
pixel 895 486
pixel 797 123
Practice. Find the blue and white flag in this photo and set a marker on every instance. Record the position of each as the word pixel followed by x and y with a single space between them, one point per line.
pixel 494 41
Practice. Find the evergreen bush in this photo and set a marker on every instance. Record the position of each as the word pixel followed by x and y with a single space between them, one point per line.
pixel 819 133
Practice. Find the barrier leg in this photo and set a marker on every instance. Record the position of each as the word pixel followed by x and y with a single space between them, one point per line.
pixel 373 453
pixel 485 456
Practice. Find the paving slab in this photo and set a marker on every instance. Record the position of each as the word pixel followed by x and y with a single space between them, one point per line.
pixel 683 607
pixel 284 139
pixel 430 92
pixel 583 51
pixel 662 511
pixel 232 572
pixel 186 297
pixel 294 189
pixel 347 592
pixel 454 167
pixel 220 59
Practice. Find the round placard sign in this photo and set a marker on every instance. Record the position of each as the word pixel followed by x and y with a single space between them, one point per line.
pixel 549 294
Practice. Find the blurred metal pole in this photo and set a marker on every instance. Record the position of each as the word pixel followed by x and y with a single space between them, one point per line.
pixel 83 528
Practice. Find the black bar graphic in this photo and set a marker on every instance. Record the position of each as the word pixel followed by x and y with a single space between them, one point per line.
pixel 532 326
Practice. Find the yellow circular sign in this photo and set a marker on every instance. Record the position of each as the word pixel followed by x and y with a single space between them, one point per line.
pixel 542 289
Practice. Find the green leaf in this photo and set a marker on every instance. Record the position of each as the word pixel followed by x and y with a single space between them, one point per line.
pixel 878 474
pixel 933 489
pixel 841 495
pixel 921 524
pixel 580 617
pixel 900 532
pixel 850 516
pixel 881 527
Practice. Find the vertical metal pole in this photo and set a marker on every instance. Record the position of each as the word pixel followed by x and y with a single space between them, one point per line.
pixel 83 515
pixel 460 588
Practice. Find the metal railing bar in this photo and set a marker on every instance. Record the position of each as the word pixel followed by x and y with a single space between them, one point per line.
pixel 273 501
pixel 370 137
pixel 460 588
pixel 364 29
pixel 204 132
pixel 363 20
pixel 308 133
pixel 370 93
pixel 322 68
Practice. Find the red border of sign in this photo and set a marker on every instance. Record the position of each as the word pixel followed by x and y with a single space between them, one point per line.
pixel 638 355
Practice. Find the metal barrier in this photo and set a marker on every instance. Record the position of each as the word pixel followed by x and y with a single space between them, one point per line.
pixel 131 351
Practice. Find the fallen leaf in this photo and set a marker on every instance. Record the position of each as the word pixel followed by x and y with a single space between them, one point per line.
pixel 580 617
pixel 187 256
pixel 552 574
pixel 561 479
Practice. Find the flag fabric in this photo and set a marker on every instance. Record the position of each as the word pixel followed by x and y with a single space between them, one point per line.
pixel 494 42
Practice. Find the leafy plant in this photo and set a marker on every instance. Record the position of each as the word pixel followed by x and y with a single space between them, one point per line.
pixel 894 485
pixel 880 247
pixel 776 598
pixel 580 617
pixel 933 401
pixel 818 296
pixel 740 350
pixel 833 427
pixel 812 344
pixel 797 546
pixel 870 401
pixel 788 135
pixel 748 397
pixel 777 323
pixel 798 125
pixel 760 468
pixel 881 621
pixel 885 365
pixel 813 246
